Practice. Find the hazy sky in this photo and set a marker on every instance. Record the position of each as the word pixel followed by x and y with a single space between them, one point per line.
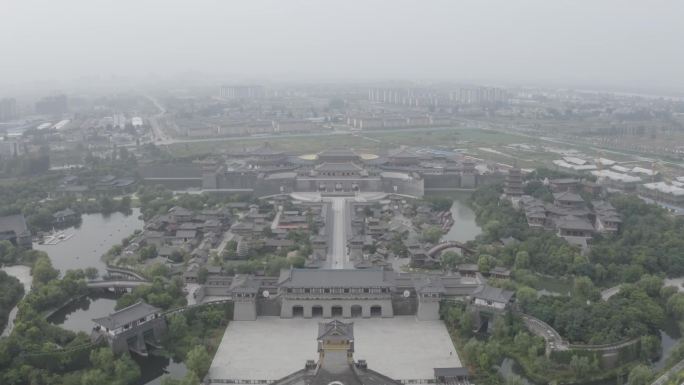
pixel 574 42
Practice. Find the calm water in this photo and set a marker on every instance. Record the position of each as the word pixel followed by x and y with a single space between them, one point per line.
pixel 464 228
pixel 154 368
pixel 78 316
pixel 96 234
pixel 669 338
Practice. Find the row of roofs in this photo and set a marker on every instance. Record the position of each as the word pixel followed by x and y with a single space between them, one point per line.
pixel 570 215
pixel 460 284
pixel 72 184
pixel 182 230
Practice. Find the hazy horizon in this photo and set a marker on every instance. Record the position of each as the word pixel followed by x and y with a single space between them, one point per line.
pixel 628 44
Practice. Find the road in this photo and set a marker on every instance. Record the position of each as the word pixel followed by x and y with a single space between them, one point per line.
pixel 338 224
pixel 158 134
pixel 606 294
pixel 337 253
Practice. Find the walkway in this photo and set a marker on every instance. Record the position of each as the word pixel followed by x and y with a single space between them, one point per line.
pixel 555 342
pixel 338 226
pixel 115 284
pixel 118 270
pixel 606 294
pixel 662 380
pixel 553 339
pixel 436 249
pixel 337 252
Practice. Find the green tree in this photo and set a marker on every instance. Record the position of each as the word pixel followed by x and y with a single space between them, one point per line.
pixel 484 361
pixel 202 275
pixel 178 325
pixel 432 234
pixel 450 260
pixel 584 288
pixel 43 272
pixel 526 296
pixel 522 260
pixel 148 252
pixel 91 273
pixel 651 284
pixel 580 366
pixel 485 263
pixel 675 306
pixel 650 347
pixel 94 377
pixel 107 205
pixel 198 361
pixel 522 342
pixel 472 349
pixel 466 323
pixel 126 371
pixel 640 375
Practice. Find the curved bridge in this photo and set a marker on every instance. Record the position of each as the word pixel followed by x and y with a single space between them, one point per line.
pixel 555 342
pixel 190 307
pixel 115 284
pixel 126 272
pixel 553 339
pixel 438 248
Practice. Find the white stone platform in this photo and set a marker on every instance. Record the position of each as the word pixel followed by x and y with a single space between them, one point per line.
pixel 270 348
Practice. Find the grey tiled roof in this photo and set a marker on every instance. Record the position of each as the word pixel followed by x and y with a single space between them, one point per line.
pixel 127 315
pixel 496 294
pixel 336 329
pixel 346 166
pixel 13 223
pixel 568 197
pixel 333 278
pixel 573 223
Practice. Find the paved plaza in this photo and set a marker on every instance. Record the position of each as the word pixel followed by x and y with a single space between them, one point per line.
pixel 271 348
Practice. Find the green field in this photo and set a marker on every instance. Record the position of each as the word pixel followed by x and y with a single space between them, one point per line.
pixel 367 141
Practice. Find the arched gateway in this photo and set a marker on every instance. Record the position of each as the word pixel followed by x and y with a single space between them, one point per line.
pixel 342 293
pixel 335 293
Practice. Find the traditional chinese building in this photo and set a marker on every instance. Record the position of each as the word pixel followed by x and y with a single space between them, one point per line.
pixel 131 328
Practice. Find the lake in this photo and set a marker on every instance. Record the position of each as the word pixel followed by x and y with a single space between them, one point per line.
pixel 92 238
pixel 464 228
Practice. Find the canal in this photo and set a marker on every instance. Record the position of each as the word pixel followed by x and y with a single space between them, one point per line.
pixel 92 238
pixel 464 228
pixel 88 241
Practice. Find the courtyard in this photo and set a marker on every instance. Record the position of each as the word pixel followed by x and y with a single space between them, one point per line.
pixel 270 348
